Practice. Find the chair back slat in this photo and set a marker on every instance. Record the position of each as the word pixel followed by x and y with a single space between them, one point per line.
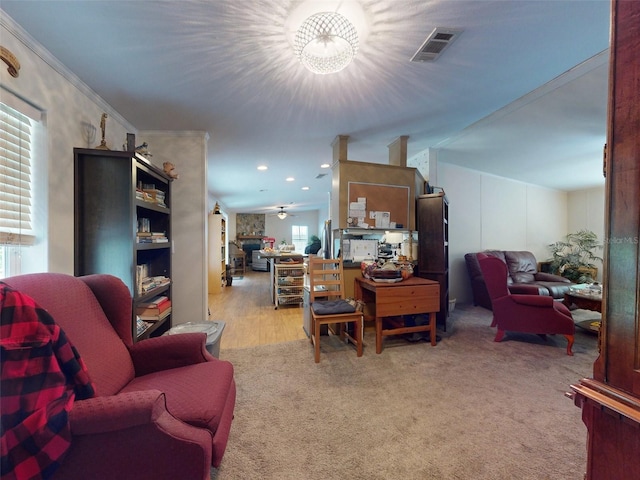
pixel 326 278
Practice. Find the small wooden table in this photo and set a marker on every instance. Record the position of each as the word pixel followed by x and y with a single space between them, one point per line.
pixel 586 302
pixel 408 297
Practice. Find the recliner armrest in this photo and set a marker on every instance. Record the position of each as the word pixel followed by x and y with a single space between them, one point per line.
pixel 133 435
pixel 550 277
pixel 521 289
pixel 115 412
pixel 169 351
pixel 533 300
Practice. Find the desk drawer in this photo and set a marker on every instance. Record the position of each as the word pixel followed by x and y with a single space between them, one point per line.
pixel 407 300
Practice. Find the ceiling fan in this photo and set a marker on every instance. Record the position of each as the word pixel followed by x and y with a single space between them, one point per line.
pixel 282 214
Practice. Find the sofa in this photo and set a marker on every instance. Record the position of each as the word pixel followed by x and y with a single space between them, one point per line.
pixel 523 277
pixel 160 408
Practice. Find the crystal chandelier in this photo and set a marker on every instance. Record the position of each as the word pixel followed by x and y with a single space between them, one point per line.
pixel 326 43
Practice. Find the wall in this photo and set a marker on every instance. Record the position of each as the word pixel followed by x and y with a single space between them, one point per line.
pixel 586 210
pixel 281 229
pixel 68 105
pixel 489 212
pixel 188 152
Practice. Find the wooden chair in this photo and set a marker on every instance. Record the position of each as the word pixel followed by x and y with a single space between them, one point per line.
pixel 239 262
pixel 327 303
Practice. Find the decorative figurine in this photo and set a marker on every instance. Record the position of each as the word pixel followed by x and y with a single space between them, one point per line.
pixel 103 127
pixel 143 149
pixel 170 170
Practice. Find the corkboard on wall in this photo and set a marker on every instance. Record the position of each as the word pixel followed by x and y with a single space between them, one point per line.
pixel 383 198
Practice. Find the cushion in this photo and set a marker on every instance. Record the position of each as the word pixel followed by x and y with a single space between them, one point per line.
pixel 178 384
pixel 522 266
pixel 332 307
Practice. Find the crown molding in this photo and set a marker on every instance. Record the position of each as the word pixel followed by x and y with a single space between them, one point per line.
pixel 47 57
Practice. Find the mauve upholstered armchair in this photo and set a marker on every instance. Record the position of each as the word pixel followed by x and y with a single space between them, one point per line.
pixel 163 407
pixel 523 276
pixel 536 314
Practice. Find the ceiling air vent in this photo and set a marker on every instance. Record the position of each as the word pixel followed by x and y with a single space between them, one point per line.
pixel 435 44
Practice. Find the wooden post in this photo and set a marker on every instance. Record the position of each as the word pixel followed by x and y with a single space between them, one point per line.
pixel 340 148
pixel 398 151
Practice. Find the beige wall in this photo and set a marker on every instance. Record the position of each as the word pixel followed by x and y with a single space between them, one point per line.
pixel 489 212
pixel 67 104
pixel 586 210
pixel 187 151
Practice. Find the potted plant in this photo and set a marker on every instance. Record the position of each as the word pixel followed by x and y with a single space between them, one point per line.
pixel 574 257
pixel 314 245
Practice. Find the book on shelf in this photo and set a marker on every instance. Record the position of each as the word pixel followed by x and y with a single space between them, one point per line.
pixel 151 237
pixel 144 225
pixel 153 309
pixel 156 196
pixel 141 274
pixel 149 283
pixel 154 302
pixel 142 326
pixel 155 317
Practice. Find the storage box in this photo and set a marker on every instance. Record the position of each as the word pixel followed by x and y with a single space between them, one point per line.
pixel 212 329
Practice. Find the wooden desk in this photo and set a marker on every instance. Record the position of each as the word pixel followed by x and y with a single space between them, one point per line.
pixel 409 297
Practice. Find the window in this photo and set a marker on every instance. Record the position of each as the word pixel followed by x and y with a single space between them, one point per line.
pixel 300 237
pixel 16 188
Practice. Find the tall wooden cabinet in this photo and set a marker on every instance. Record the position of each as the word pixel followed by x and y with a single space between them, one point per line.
pixel 217 270
pixel 610 401
pixel 123 226
pixel 432 212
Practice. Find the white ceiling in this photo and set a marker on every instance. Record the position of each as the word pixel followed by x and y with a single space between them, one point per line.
pixel 227 67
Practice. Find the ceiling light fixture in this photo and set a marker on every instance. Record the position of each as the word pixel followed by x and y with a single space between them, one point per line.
pixel 326 42
pixel 282 215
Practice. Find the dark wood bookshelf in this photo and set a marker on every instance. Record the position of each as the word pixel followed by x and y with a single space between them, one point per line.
pixel 433 246
pixel 108 214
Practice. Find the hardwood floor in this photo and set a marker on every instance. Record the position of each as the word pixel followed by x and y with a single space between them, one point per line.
pixel 249 314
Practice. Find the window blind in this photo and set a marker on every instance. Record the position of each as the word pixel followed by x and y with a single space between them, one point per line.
pixel 15 178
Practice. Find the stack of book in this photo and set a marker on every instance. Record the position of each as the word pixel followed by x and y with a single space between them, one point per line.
pixel 155 195
pixel 141 326
pixel 154 310
pixel 144 196
pixel 149 283
pixel 151 237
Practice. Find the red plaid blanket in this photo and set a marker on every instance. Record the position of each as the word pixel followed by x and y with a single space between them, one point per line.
pixel 42 373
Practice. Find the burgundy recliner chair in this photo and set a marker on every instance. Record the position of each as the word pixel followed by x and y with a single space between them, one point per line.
pixel 163 407
pixel 537 314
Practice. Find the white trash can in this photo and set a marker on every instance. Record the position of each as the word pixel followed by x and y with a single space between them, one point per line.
pixel 212 329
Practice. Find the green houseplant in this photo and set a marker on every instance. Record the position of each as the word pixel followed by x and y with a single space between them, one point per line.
pixel 574 257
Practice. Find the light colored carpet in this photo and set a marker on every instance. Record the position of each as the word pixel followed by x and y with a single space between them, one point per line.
pixel 468 408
